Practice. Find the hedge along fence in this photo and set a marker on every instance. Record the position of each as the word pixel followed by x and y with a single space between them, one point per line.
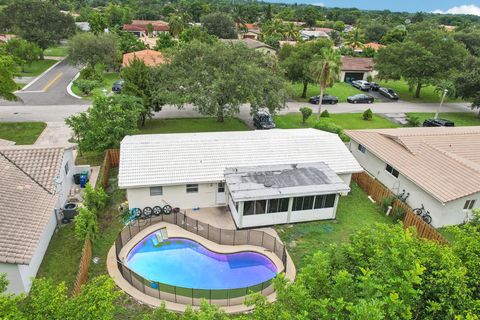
pixel 111 160
pixel 379 192
pixel 82 275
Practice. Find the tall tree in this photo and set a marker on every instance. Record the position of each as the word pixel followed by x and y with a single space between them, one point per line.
pixel 98 22
pixel 7 84
pixel 37 21
pixel 325 69
pixel 467 82
pixel 176 24
pixel 128 42
pixel 220 24
pixel 90 49
pixel 24 52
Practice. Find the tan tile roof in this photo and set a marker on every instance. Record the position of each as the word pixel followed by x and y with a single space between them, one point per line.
pixel 357 64
pixel 6 142
pixel 149 57
pixel 25 209
pixel 444 162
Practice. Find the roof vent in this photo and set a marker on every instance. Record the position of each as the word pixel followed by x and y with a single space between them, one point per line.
pixel 294 166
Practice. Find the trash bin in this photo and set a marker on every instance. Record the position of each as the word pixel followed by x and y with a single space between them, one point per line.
pixel 83 180
pixel 76 178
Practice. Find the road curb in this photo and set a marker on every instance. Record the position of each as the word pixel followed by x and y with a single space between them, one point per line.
pixel 69 87
pixel 37 78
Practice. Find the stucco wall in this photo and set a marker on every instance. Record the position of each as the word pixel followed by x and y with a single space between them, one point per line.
pixel 66 179
pixel 450 213
pixel 14 278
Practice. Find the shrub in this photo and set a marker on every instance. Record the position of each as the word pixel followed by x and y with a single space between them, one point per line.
pixel 86 86
pixel 94 199
pixel 413 121
pixel 369 78
pixel 86 225
pixel 367 114
pixel 89 73
pixel 398 213
pixel 386 202
pixel 325 114
pixel 306 113
pixel 326 124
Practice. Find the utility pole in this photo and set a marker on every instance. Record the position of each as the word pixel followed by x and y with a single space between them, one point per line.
pixel 441 103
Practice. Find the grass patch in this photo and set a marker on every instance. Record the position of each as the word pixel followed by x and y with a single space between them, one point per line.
pixel 36 68
pixel 460 118
pixel 427 95
pixel 349 121
pixel 181 125
pixel 91 158
pixel 21 132
pixel 341 90
pixel 56 51
pixel 109 79
pixel 354 212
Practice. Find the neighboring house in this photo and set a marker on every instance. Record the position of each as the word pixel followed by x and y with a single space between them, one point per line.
pixel 149 57
pixel 307 34
pixel 6 37
pixel 253 44
pixel 139 31
pixel 348 28
pixel 34 185
pixel 140 27
pixel 354 68
pixel 438 167
pixel 252 32
pixel 201 170
pixel 375 46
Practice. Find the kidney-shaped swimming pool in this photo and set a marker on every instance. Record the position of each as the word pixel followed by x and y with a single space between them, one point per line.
pixel 185 263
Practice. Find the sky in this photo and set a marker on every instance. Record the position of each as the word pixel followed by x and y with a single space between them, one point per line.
pixel 439 6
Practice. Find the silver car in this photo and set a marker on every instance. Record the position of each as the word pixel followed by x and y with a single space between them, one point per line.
pixel 362 85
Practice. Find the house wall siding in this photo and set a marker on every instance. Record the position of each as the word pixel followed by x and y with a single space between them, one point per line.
pixel 450 213
pixel 14 278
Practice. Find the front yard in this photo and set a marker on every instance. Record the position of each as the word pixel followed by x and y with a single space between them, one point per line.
pixel 56 51
pixel 21 132
pixel 36 68
pixel 184 125
pixel 341 90
pixel 345 120
pixel 427 95
pixel 109 79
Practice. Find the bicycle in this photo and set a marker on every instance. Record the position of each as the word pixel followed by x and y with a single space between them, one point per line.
pixel 424 214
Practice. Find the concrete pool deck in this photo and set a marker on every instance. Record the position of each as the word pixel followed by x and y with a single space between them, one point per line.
pixel 176 231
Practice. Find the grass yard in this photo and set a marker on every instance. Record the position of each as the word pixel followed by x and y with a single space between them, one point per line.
pixel 21 132
pixel 354 212
pixel 345 120
pixel 427 95
pixel 109 79
pixel 56 51
pixel 460 118
pixel 341 90
pixel 36 68
pixel 180 125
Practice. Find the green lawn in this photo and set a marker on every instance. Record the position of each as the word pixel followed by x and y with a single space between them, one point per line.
pixel 21 132
pixel 460 118
pixel 345 120
pixel 354 212
pixel 428 94
pixel 56 51
pixel 36 68
pixel 341 90
pixel 109 79
pixel 180 125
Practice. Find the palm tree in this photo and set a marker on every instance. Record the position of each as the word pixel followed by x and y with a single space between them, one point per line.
pixel 325 69
pixel 355 39
pixel 291 31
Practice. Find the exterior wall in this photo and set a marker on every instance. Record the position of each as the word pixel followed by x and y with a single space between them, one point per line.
pixel 66 178
pixel 347 179
pixel 450 213
pixel 14 278
pixel 176 196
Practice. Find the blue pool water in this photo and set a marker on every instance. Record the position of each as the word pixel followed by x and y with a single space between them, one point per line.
pixel 186 263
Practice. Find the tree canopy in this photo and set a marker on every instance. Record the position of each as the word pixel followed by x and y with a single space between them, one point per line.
pixel 90 49
pixel 219 24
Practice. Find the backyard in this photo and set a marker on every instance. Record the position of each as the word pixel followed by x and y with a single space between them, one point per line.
pixel 345 120
pixel 21 132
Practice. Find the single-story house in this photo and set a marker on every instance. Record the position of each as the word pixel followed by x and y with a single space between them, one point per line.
pixel 149 57
pixel 218 169
pixel 308 34
pixel 35 183
pixel 354 68
pixel 140 27
pixel 253 44
pixel 438 168
pixel 252 32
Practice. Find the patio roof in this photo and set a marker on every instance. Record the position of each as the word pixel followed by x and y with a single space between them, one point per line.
pixel 282 181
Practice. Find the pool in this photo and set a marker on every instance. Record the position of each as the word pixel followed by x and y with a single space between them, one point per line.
pixel 186 263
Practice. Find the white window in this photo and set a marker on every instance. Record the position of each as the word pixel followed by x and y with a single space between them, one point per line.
pixel 361 148
pixel 192 188
pixel 392 171
pixel 67 168
pixel 156 191
pixel 469 204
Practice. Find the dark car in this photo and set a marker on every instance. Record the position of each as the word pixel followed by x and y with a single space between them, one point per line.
pixel 263 120
pixel 361 85
pixel 438 123
pixel 327 99
pixel 361 98
pixel 117 86
pixel 388 93
pixel 374 86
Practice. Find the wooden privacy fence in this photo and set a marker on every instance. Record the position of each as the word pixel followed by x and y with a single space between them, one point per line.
pixel 82 274
pixel 378 192
pixel 111 160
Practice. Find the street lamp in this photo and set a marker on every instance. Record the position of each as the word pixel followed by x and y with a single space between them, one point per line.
pixel 441 103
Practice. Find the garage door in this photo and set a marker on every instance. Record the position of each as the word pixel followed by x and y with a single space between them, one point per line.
pixel 352 76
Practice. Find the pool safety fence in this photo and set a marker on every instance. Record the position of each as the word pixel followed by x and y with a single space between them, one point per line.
pixel 191 296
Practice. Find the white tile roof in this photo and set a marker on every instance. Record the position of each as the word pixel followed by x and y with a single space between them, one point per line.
pixel 163 159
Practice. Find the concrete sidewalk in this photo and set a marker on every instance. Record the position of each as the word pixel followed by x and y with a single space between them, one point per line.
pixel 55 134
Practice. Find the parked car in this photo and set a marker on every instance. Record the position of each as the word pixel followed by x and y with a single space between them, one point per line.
pixel 327 99
pixel 362 85
pixel 374 86
pixel 361 98
pixel 117 86
pixel 438 123
pixel 263 120
pixel 388 93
